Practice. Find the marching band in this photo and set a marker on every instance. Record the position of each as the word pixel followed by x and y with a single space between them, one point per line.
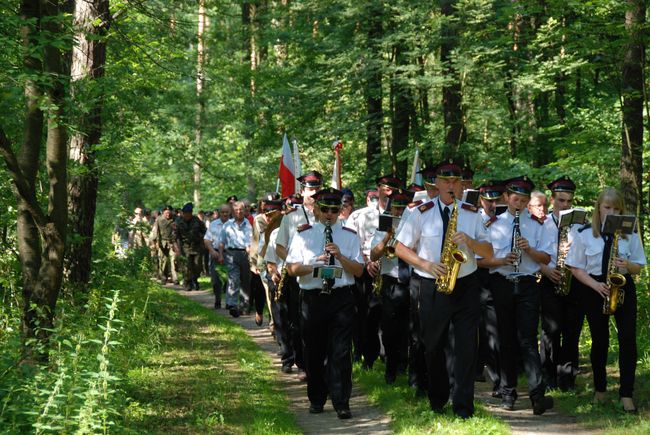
pixel 451 289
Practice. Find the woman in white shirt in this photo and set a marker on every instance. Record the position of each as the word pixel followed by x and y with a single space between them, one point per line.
pixel 590 268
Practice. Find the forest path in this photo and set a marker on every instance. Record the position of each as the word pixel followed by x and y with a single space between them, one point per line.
pixel 367 418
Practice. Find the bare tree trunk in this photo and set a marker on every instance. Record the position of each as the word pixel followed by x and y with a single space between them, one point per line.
pixel 632 107
pixel 91 18
pixel 374 95
pixel 251 58
pixel 200 84
pixel 402 109
pixel 455 133
pixel 41 289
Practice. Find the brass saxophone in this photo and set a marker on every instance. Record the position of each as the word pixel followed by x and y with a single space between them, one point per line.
pixel 278 288
pixel 615 280
pixel 563 287
pixel 389 253
pixel 451 256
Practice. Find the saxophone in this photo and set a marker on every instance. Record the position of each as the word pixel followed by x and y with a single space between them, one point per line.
pixel 451 256
pixel 278 289
pixel 615 280
pixel 563 287
pixel 389 253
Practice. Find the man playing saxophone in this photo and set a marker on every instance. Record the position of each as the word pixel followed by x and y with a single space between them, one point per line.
pixel 394 277
pixel 420 243
pixel 562 312
pixel 591 261
pixel 516 293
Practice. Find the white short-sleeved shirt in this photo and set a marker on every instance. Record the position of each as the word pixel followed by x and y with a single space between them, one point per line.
pixel 237 236
pixel 389 267
pixel 586 252
pixel 213 234
pixel 365 222
pixel 270 256
pixel 290 223
pixel 551 232
pixel 308 244
pixel 531 230
pixel 423 232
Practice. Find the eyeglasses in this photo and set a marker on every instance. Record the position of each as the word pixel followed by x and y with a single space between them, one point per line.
pixel 324 209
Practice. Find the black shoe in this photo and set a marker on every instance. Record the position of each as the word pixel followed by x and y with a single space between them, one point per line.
pixel 288 369
pixel 234 312
pixel 508 403
pixel 217 305
pixel 541 404
pixel 343 414
pixel 497 394
pixel 316 409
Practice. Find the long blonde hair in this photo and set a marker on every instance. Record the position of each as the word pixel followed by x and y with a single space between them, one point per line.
pixel 611 196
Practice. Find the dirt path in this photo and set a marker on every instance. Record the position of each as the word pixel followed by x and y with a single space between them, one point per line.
pixel 365 419
pixel 369 419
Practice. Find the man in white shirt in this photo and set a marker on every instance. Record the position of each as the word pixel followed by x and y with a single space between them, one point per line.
pixel 234 247
pixel 212 240
pixel 519 249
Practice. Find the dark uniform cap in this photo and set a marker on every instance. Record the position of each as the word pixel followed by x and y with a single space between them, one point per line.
pixel 468 174
pixel 414 187
pixel 329 197
pixel 272 205
pixel 401 198
pixel 348 193
pixel 232 198
pixel 429 175
pixel 370 193
pixel 168 207
pixel 187 208
pixel 271 196
pixel 562 184
pixel 389 180
pixel 521 185
pixel 294 199
pixel 449 168
pixel 311 179
pixel 492 189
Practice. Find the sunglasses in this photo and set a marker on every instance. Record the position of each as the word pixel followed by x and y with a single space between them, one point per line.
pixel 325 209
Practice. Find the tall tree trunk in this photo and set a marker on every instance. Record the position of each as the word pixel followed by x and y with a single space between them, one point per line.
pixel 632 106
pixel 200 109
pixel 41 290
pixel 402 102
pixel 455 133
pixel 374 95
pixel 251 59
pixel 91 19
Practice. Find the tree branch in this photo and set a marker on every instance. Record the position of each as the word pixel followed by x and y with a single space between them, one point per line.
pixel 18 178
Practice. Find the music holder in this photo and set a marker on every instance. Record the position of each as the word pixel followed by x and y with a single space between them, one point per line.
pixel 388 222
pixel 471 196
pixel 327 272
pixel 572 216
pixel 623 223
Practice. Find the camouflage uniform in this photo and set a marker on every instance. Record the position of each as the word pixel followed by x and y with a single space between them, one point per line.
pixel 189 236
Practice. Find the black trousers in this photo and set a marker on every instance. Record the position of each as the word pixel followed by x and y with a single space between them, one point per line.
pixel 292 297
pixel 258 295
pixel 328 321
pixel 417 370
pixel 394 321
pixel 562 319
pixel 217 284
pixel 366 342
pixel 437 312
pixel 282 324
pixel 625 318
pixel 517 306
pixel 488 341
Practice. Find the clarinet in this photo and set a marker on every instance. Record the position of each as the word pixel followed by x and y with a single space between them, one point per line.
pixel 328 283
pixel 516 236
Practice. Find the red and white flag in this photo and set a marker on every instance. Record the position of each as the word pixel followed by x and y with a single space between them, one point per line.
pixel 337 146
pixel 287 174
pixel 297 164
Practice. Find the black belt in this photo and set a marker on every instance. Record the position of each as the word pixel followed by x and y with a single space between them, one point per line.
pixel 236 249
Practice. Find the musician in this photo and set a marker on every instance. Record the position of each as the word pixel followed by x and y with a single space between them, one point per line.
pixel 327 317
pixel 393 291
pixel 299 216
pixel 516 295
pixel 590 261
pixel 490 193
pixel 420 243
pixel 562 315
pixel 365 222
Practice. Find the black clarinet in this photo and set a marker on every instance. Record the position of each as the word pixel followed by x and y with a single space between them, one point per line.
pixel 328 283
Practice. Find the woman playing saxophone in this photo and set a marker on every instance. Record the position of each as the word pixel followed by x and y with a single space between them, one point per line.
pixel 590 265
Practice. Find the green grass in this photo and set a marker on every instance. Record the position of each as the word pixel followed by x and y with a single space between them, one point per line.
pixel 205 376
pixel 413 416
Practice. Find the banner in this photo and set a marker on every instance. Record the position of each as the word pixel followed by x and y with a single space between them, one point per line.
pixel 337 145
pixel 287 173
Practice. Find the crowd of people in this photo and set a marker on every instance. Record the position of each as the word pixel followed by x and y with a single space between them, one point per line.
pixel 446 287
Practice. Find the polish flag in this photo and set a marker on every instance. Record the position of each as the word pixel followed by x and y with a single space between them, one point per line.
pixel 287 174
pixel 336 172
